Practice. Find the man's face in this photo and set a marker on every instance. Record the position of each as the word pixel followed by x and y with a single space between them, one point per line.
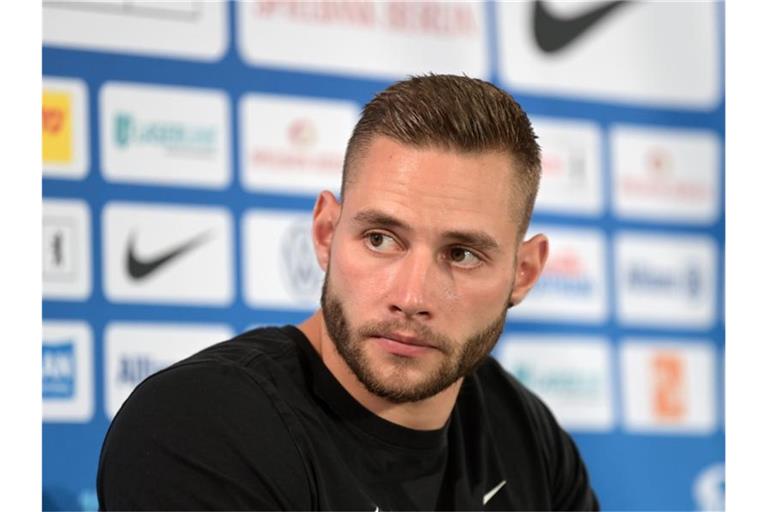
pixel 421 266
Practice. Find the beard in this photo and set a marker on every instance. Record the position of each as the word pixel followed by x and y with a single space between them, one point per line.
pixel 457 359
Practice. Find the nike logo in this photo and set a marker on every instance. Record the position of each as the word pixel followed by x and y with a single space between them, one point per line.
pixel 553 33
pixel 141 268
pixel 490 494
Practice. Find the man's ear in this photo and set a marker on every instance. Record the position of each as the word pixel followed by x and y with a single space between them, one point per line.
pixel 531 257
pixel 324 218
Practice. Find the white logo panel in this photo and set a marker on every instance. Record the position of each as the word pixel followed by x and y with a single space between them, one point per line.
pixel 294 145
pixel 572 286
pixel 67 371
pixel 666 280
pixel 572 377
pixel 66 248
pixel 366 38
pixel 281 270
pixel 613 58
pixel 165 135
pixel 668 386
pixel 570 167
pixel 134 351
pixel 665 175
pixel 65 128
pixel 191 29
pixel 158 253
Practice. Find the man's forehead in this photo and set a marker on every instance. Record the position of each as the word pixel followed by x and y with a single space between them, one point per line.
pixel 435 176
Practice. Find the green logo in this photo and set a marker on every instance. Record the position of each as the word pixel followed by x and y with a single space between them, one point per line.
pixel 123 128
pixel 174 137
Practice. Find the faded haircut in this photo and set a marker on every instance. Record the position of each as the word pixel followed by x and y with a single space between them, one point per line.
pixel 457 113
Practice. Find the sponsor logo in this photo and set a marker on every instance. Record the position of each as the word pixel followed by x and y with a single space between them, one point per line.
pixel 572 286
pixel 441 18
pixel 669 386
pixel 59 368
pixel 57 127
pixel 134 368
pixel 301 135
pixel 686 282
pixel 66 249
pixel 666 280
pixel 173 137
pixel 134 351
pixel 292 144
pixel 64 134
pixel 709 487
pixel 566 274
pixel 281 270
pixel 613 53
pixel 165 135
pixel 199 28
pixel 490 494
pixel 167 254
pixel 554 33
pixel 572 377
pixel 668 394
pixel 67 371
pixel 570 165
pixel 301 271
pixel 59 262
pixel 666 175
pixel 568 383
pixel 141 268
pixel 365 37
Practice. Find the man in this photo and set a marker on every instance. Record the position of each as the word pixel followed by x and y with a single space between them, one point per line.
pixel 385 398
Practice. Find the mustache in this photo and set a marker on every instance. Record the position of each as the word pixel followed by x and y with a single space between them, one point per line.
pixel 389 328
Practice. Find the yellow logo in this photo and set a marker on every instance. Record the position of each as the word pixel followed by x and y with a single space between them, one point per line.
pixel 57 127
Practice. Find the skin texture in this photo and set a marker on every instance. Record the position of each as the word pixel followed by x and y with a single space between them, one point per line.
pixel 422 261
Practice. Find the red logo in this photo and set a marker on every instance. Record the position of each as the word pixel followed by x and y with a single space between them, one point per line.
pixel 302 132
pixel 659 161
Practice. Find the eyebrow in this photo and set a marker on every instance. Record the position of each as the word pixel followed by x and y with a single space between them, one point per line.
pixel 473 238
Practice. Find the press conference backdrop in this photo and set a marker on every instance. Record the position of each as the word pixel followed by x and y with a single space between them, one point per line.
pixel 184 144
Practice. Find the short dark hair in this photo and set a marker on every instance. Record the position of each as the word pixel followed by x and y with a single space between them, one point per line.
pixel 458 113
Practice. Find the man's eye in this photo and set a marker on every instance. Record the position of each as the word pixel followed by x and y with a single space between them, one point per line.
pixel 463 257
pixel 380 242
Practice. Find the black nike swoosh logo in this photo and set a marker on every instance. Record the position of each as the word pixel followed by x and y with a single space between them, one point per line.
pixel 141 268
pixel 553 33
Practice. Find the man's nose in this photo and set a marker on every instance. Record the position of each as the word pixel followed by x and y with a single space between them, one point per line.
pixel 411 294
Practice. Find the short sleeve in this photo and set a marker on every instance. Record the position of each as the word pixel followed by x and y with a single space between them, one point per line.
pixel 201 437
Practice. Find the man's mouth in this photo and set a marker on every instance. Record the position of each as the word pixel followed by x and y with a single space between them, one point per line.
pixel 403 344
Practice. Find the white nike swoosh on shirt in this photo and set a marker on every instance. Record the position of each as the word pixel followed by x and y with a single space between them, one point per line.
pixel 490 494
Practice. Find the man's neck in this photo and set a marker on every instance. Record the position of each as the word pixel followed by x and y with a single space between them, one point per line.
pixel 429 414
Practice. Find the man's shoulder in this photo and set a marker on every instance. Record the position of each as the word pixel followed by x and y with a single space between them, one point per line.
pixel 256 346
pixel 214 424
pixel 250 367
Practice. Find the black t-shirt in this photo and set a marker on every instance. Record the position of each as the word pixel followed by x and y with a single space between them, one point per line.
pixel 259 422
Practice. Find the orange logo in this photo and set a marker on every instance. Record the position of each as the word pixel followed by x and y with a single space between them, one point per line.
pixel 668 386
pixel 57 127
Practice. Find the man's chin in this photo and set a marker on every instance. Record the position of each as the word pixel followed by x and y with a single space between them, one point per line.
pixel 401 379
